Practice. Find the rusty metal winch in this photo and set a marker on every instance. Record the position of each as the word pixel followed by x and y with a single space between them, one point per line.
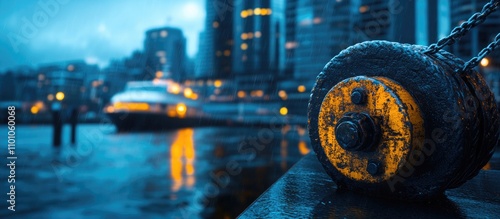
pixel 403 121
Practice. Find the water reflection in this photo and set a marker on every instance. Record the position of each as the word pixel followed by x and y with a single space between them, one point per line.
pixel 182 156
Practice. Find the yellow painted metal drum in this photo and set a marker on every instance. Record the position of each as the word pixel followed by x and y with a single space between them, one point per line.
pixel 387 120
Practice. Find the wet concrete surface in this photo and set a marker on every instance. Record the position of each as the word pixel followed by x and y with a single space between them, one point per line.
pixel 306 191
pixel 186 173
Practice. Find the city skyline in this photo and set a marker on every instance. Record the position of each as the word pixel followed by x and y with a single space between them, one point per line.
pixel 96 33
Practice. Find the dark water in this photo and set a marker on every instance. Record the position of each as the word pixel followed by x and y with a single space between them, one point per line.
pixel 187 173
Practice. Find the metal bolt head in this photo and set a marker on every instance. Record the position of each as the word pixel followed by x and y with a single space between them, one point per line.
pixel 356 132
pixel 373 168
pixel 358 96
pixel 348 135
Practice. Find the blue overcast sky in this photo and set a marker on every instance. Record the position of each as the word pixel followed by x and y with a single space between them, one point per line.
pixel 95 31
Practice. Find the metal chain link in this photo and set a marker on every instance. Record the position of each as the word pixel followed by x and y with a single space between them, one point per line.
pixel 460 31
pixel 484 52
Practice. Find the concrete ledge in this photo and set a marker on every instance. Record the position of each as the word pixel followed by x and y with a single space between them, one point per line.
pixel 306 191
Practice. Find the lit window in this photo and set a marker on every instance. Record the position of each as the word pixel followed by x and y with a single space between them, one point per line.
pixel 244 36
pixel 317 20
pixel 250 12
pixel 283 111
pixel 163 33
pixel 258 34
pixel 215 24
pixel 217 83
pixel 227 53
pixel 241 94
pixel 301 88
pixel 291 45
pixel 71 67
pixel 282 94
pixel 257 11
pixel 244 46
pixel 244 14
pixel 159 74
pixel 363 9
pixel 250 35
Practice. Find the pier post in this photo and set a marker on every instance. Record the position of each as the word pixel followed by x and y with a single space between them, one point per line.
pixel 56 124
pixel 74 121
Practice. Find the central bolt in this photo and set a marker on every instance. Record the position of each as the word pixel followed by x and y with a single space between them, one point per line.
pixel 356 132
pixel 348 135
pixel 358 96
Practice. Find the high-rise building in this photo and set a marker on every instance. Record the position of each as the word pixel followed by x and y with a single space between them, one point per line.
pixel 290 41
pixel 216 42
pixel 404 21
pixel 165 52
pixel 479 37
pixel 258 44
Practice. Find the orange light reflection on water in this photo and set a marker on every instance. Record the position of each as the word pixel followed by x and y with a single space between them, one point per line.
pixel 182 156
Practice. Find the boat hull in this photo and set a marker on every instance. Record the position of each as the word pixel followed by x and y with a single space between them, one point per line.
pixel 137 121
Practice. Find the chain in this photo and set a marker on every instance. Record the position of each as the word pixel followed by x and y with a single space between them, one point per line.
pixel 460 31
pixel 484 52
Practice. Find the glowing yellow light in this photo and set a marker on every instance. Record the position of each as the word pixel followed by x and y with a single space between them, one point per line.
pixel 301 88
pixel 244 14
pixel 282 94
pixel 217 83
pixel 303 149
pixel 215 24
pixel 241 94
pixel 131 106
pixel 181 109
pixel 174 89
pixel 227 52
pixel 50 97
pixel 485 62
pixel 60 96
pixel 283 111
pixel 258 34
pixel 244 36
pixel 34 109
pixel 188 92
pixel 244 46
pixel 263 11
pixel 257 11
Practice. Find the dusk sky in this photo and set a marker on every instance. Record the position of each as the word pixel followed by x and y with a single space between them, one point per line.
pixel 94 31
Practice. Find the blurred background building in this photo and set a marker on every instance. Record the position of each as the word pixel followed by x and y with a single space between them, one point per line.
pixel 165 54
pixel 259 30
pixel 266 50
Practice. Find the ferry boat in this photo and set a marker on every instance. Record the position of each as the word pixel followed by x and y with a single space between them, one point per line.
pixel 165 104
pixel 153 105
